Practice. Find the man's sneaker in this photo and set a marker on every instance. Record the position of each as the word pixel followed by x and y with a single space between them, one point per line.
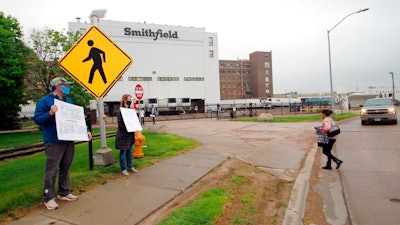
pixel 69 197
pixel 124 172
pixel 51 204
pixel 133 170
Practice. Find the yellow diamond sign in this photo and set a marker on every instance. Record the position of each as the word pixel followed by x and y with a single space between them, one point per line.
pixel 96 62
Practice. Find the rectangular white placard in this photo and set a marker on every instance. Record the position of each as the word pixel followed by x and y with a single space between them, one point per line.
pixel 131 120
pixel 70 122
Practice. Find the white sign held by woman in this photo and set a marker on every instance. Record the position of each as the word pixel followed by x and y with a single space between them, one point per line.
pixel 131 119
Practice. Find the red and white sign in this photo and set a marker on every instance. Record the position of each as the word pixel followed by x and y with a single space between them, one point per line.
pixel 139 92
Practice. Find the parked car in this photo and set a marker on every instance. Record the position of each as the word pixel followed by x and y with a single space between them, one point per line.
pixel 378 110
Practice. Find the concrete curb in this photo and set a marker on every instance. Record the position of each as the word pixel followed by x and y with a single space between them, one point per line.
pixel 295 211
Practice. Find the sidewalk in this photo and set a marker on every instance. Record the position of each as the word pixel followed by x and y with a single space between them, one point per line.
pixel 130 199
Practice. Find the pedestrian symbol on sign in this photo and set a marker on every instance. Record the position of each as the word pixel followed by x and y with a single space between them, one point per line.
pixel 95 54
pixel 93 46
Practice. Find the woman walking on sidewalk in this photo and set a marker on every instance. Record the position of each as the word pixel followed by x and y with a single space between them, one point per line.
pixel 327 145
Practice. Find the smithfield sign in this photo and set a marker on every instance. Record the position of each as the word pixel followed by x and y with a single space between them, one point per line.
pixel 150 33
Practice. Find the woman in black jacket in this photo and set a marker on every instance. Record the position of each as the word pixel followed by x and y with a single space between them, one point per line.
pixel 124 139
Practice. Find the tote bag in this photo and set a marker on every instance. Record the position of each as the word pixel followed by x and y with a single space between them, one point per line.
pixel 335 130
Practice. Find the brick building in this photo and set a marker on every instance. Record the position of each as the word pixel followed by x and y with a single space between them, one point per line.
pixel 249 78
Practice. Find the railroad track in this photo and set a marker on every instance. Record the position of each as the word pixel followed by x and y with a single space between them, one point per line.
pixel 25 150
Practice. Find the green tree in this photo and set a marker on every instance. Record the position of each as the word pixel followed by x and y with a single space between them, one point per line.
pixel 50 46
pixel 13 67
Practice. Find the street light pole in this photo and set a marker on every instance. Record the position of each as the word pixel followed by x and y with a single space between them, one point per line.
pixel 391 73
pixel 329 52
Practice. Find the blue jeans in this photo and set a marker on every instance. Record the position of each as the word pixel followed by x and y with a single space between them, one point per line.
pixel 125 159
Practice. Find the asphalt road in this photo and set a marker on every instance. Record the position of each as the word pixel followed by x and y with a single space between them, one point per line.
pixel 370 174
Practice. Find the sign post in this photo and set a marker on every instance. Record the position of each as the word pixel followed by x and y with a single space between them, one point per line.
pixel 97 63
pixel 139 93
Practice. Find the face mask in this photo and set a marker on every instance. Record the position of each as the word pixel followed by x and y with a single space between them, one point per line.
pixel 129 102
pixel 66 90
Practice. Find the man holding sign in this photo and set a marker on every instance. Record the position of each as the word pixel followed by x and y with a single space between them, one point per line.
pixel 59 152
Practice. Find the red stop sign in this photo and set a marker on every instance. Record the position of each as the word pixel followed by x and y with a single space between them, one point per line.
pixel 139 91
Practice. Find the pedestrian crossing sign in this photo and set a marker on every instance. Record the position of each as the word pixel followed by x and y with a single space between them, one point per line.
pixel 96 62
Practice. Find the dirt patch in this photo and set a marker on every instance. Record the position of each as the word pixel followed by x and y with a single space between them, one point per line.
pixel 269 195
pixel 314 204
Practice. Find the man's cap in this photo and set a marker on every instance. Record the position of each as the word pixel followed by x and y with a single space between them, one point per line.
pixel 58 81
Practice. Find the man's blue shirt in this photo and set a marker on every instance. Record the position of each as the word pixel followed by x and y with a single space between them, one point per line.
pixel 43 118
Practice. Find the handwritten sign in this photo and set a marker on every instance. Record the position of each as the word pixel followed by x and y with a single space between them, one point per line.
pixel 131 120
pixel 70 122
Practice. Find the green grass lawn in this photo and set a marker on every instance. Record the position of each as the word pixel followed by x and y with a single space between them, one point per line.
pixel 21 179
pixel 204 210
pixel 30 137
pixel 298 118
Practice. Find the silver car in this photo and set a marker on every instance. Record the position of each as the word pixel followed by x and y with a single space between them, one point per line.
pixel 378 110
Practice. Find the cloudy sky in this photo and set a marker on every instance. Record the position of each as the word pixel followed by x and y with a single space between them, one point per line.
pixel 365 47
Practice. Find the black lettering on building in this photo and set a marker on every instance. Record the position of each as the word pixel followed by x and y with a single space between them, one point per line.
pixel 158 34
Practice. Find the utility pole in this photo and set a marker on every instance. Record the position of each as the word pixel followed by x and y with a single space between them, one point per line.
pixel 391 73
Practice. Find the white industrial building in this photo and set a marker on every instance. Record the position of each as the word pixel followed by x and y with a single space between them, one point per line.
pixel 171 63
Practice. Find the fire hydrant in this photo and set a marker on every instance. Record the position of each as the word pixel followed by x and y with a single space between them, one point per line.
pixel 139 141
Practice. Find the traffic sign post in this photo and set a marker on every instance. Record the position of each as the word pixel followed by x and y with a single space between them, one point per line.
pixel 139 92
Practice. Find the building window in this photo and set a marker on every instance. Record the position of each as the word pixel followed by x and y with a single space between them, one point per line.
pixel 193 78
pixel 210 41
pixel 140 78
pixel 267 65
pixel 167 78
pixel 211 53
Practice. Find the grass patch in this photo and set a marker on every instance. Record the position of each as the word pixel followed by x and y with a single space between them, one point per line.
pixel 28 124
pixel 297 118
pixel 241 198
pixel 22 178
pixel 204 210
pixel 8 140
pixel 239 179
pixel 15 139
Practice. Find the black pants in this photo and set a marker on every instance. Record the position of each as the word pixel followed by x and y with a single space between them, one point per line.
pixel 327 150
pixel 59 158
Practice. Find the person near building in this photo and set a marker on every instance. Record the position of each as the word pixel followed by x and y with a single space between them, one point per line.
pixel 141 115
pixel 326 125
pixel 153 114
pixel 124 140
pixel 59 153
